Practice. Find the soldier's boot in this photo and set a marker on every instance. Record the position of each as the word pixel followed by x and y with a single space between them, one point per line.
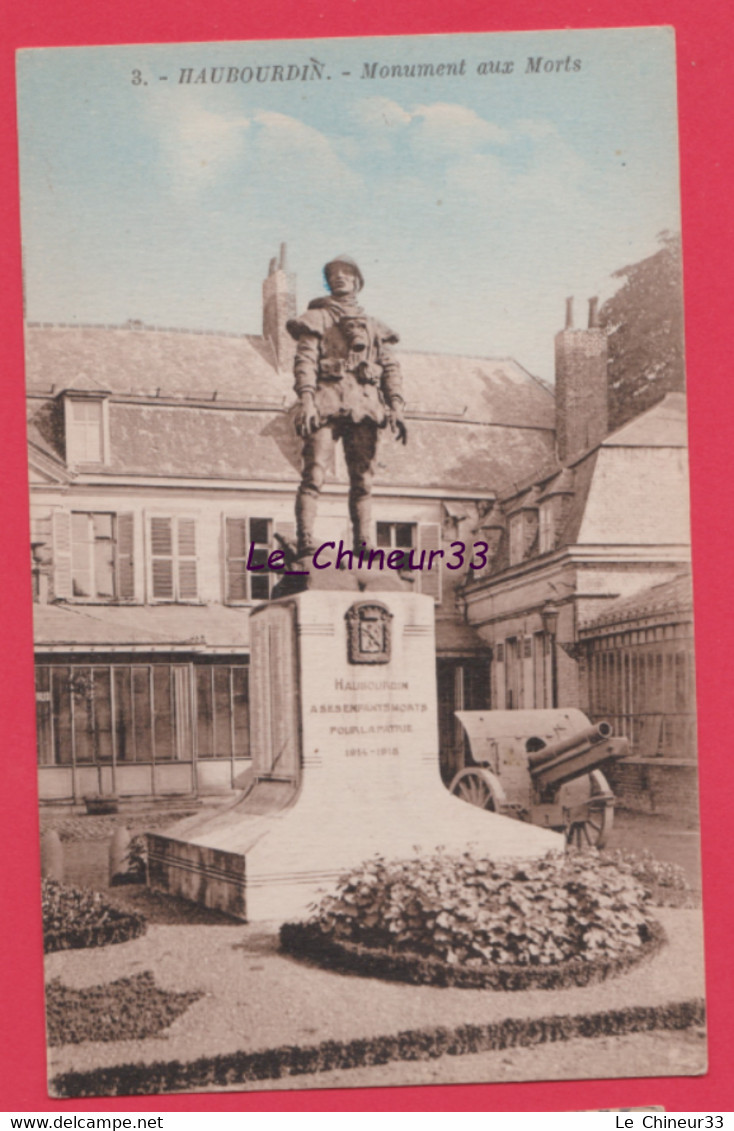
pixel 306 508
pixel 360 512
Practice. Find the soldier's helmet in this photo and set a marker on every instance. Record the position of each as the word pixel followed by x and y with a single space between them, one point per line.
pixel 345 261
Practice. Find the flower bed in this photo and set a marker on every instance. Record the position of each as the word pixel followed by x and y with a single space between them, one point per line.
pixel 457 921
pixel 74 918
pixel 129 1009
pixel 666 882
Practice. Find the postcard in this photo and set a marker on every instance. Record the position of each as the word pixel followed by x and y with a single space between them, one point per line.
pixel 361 562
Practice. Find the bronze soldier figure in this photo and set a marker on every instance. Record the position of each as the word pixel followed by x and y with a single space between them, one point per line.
pixel 349 386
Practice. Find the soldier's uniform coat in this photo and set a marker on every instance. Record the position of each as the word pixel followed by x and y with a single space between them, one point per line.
pixel 346 383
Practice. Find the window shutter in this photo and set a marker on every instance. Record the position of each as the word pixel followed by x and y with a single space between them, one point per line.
pixel 161 553
pixel 429 538
pixel 235 539
pixel 61 538
pixel 188 589
pixel 125 557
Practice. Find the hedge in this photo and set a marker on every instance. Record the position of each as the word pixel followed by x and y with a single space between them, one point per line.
pixel 232 1069
pixel 306 940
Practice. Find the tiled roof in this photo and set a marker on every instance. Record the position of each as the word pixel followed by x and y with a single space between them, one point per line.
pixel 662 426
pixel 490 390
pixel 149 440
pixel 478 424
pixel 656 602
pixel 178 363
pixel 186 627
pixel 454 637
pixel 168 362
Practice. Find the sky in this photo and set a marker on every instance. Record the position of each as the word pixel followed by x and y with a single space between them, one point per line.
pixel 474 202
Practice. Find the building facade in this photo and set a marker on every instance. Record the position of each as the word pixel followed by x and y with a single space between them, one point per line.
pixel 163 463
pixel 603 522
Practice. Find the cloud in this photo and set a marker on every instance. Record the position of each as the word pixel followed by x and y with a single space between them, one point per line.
pixel 432 131
pixel 284 145
pixel 197 145
pixel 445 128
pixel 201 149
pixel 380 113
pixel 467 160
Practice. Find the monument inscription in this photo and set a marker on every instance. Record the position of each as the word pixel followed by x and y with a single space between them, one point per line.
pixel 372 718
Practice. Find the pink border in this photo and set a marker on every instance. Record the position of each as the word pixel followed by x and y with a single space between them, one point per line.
pixel 705 67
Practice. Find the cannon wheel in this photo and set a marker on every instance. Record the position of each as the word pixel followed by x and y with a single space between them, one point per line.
pixel 479 786
pixel 590 822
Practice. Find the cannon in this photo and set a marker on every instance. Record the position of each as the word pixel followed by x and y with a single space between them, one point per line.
pixel 541 766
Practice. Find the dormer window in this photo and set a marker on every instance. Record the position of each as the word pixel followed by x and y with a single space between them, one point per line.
pixel 553 511
pixel 85 418
pixel 524 527
pixel 546 531
pixel 517 538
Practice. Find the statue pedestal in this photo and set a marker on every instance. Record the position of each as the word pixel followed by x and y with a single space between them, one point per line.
pixel 345 758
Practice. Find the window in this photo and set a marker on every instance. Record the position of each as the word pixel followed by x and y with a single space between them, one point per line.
pixel 397 536
pixel 173 562
pixel 124 714
pixel 243 584
pixel 101 555
pixel 93 556
pixel 539 670
pixel 222 711
pixel 420 541
pixel 513 674
pixel 85 430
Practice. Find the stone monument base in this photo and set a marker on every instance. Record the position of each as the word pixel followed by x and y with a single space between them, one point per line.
pixel 345 763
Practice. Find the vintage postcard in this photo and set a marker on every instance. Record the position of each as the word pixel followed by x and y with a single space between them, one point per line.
pixel 360 553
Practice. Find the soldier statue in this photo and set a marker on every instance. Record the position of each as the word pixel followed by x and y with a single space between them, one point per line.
pixel 349 386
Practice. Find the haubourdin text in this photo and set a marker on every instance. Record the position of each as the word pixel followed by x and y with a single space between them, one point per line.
pixel 313 70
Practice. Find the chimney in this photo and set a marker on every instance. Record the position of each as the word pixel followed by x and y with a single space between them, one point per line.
pixel 581 385
pixel 279 304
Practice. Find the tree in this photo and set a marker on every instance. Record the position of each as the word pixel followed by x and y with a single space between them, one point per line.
pixel 644 322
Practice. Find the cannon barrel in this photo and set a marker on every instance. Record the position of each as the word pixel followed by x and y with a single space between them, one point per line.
pixel 577 761
pixel 583 738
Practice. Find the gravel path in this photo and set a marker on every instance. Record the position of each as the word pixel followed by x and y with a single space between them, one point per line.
pixel 256 998
pixel 85 827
